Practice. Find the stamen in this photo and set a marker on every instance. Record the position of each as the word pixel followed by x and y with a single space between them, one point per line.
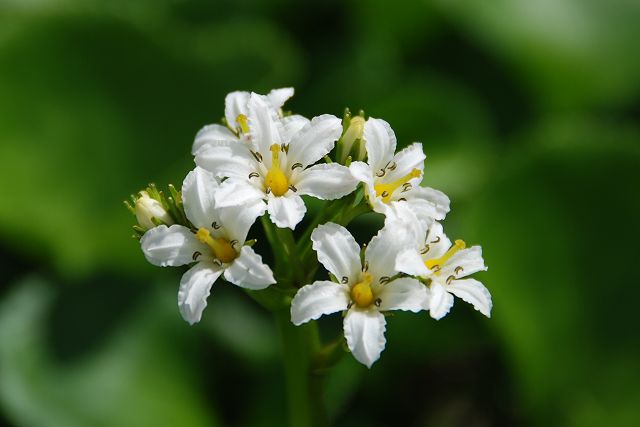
pixel 243 122
pixel 361 293
pixel 220 247
pixel 276 180
pixel 386 190
pixel 435 265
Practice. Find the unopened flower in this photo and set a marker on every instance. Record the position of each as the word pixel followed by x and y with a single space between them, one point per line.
pixel 147 209
pixel 275 167
pixel 364 290
pixel 391 178
pixel 353 133
pixel 215 245
pixel 236 117
pixel 443 265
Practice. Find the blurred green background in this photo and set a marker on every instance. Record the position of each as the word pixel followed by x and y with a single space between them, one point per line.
pixel 528 112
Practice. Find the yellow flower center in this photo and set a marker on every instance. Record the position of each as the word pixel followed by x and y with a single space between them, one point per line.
pixel 243 122
pixel 386 190
pixel 220 247
pixel 361 293
pixel 436 264
pixel 276 180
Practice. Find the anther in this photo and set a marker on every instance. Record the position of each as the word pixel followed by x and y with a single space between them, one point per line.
pixel 296 165
pixel 345 280
pixel 196 255
pixel 293 188
pixel 380 173
pixel 215 225
pixel 391 166
pixel 384 280
pixel 254 175
pixel 458 270
pixel 256 156
pixel 425 249
pixel 450 279
pixel 377 302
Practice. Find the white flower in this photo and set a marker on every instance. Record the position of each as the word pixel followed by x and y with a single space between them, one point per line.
pixel 235 113
pixel 363 291
pixel 390 178
pixel 433 257
pixel 147 209
pixel 275 166
pixel 217 246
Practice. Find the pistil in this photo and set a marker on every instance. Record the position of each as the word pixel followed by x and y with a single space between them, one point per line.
pixel 386 190
pixel 436 264
pixel 361 293
pixel 220 247
pixel 276 181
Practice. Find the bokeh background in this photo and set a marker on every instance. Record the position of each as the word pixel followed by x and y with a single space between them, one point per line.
pixel 528 111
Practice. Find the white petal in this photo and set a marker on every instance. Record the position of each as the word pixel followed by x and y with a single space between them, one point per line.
pixel 402 215
pixel 410 158
pixel 211 134
pixel 440 301
pixel 235 104
pixel 277 97
pixel 170 246
pixel 381 251
pixel 364 331
pixel 248 271
pixel 265 127
pixel 198 190
pixel 195 287
pixel 326 181
pixel 337 251
pixel 226 158
pixel 427 203
pixel 469 259
pixel 403 294
pixel 438 242
pixel 286 211
pixel 315 140
pixel 292 125
pixel 236 192
pixel 317 299
pixel 362 172
pixel 380 142
pixel 410 262
pixel 473 292
pixel 237 220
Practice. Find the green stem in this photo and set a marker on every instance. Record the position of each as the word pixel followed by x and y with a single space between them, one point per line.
pixel 304 387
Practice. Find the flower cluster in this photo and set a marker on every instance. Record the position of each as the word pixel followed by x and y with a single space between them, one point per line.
pixel 258 164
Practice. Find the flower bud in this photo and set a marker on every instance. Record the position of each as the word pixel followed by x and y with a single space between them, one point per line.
pixel 354 132
pixel 148 208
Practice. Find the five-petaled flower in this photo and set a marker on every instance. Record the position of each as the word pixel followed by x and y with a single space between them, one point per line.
pixel 432 257
pixel 215 244
pixel 391 178
pixel 364 290
pixel 235 116
pixel 276 164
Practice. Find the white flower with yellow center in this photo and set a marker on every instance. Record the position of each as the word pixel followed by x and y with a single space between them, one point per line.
pixel 391 178
pixel 275 167
pixel 364 289
pixel 216 245
pixel 235 114
pixel 433 257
